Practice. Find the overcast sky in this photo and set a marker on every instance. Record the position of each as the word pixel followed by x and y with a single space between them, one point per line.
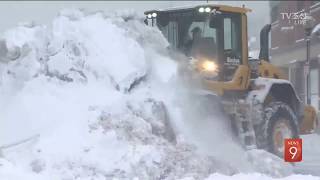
pixel 42 12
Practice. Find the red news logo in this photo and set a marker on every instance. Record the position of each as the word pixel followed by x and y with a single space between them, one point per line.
pixel 293 150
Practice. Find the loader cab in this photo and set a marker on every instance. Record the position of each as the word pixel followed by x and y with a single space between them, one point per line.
pixel 210 32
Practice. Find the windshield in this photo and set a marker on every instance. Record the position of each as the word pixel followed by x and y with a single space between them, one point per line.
pixel 206 37
pixel 200 41
pixel 189 33
pixel 192 36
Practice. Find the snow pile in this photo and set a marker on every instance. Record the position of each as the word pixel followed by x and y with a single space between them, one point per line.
pixel 257 176
pixel 93 87
pixel 97 91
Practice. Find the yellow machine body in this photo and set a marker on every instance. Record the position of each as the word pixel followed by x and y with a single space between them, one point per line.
pixel 242 82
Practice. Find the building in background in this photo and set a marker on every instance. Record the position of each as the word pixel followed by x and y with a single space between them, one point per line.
pixel 288 45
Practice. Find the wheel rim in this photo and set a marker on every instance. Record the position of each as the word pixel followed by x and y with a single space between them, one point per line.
pixel 281 131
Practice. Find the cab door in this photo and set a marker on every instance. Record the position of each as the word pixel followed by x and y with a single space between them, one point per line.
pixel 230 46
pixel 232 50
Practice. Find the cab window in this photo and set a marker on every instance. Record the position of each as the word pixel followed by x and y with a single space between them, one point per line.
pixel 170 31
pixel 232 49
pixel 200 41
pixel 232 39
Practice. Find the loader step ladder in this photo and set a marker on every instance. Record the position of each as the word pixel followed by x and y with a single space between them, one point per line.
pixel 245 125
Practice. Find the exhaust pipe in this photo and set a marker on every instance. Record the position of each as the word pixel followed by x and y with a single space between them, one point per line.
pixel 264 42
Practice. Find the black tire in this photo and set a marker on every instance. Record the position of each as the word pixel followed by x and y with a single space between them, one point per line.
pixel 278 116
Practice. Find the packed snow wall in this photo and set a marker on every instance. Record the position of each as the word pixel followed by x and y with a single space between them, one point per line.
pixel 100 98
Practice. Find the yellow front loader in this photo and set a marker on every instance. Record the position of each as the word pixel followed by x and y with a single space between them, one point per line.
pixel 261 103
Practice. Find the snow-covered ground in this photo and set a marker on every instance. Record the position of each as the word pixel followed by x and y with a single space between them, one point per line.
pixel 95 92
pixel 310 155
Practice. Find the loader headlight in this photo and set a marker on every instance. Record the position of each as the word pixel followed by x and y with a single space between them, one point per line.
pixel 209 66
pixel 201 10
pixel 154 15
pixel 204 9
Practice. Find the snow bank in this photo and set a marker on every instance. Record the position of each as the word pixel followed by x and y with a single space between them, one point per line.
pixel 257 176
pixel 93 87
pixel 98 90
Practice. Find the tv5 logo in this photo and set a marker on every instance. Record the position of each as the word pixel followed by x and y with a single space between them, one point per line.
pixel 293 150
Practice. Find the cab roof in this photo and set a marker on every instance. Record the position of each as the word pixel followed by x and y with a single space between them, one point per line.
pixel 218 6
